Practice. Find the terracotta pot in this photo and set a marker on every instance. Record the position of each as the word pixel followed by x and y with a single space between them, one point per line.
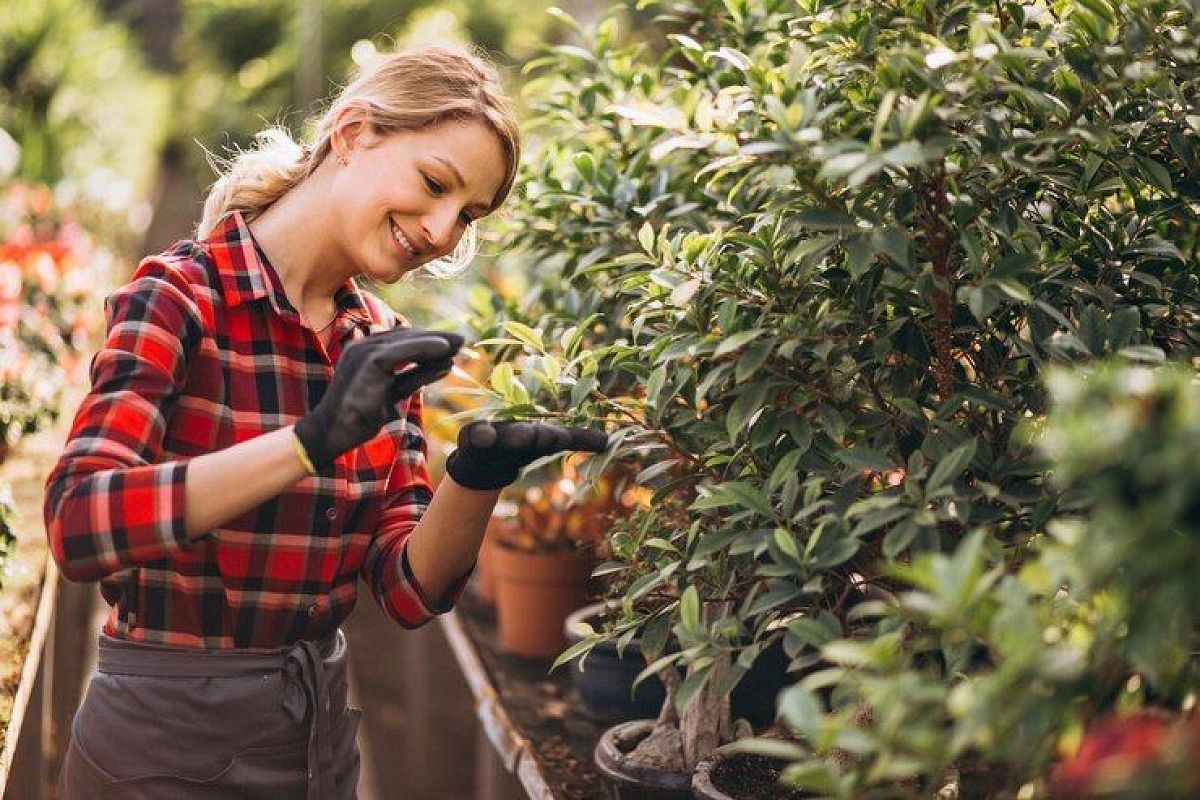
pixel 485 571
pixel 628 781
pixel 535 591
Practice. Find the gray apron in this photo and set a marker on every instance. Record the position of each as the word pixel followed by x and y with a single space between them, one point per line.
pixel 176 724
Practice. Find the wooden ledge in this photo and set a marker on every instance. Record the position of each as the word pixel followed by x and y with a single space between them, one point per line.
pixel 532 717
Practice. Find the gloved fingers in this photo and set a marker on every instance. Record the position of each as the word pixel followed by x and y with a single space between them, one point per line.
pixel 407 383
pixel 479 434
pixel 587 440
pixel 554 439
pixel 534 438
pixel 390 354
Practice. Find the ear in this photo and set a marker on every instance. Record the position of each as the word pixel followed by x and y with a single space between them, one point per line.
pixel 352 130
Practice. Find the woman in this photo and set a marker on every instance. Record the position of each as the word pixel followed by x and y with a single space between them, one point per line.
pixel 251 445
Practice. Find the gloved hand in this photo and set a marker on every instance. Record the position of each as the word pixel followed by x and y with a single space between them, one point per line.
pixel 366 387
pixel 491 455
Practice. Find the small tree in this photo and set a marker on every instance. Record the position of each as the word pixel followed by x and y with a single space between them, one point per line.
pixel 810 260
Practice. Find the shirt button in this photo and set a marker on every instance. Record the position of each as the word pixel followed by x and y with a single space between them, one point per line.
pixel 331 513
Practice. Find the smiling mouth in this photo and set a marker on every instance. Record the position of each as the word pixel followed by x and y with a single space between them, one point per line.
pixel 401 239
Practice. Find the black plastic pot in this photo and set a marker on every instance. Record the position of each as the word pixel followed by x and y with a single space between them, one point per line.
pixel 604 686
pixel 704 784
pixel 606 682
pixel 628 781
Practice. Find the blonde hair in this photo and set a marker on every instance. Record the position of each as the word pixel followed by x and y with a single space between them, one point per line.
pixel 402 91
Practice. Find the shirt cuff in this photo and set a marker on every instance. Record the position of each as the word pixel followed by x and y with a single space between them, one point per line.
pixel 453 592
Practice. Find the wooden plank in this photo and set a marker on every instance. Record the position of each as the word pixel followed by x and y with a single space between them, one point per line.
pixel 28 699
pixel 513 749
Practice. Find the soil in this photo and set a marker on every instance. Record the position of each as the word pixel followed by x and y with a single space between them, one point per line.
pixel 753 777
pixel 542 706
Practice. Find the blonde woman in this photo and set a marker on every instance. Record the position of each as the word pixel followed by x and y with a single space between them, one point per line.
pixel 251 446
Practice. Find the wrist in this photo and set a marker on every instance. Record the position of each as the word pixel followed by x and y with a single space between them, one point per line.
pixel 302 453
pixel 308 439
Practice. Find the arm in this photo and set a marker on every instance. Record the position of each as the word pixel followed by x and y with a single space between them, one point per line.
pixel 445 544
pixel 110 503
pixel 440 551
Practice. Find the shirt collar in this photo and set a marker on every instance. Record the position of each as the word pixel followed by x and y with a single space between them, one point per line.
pixel 246 275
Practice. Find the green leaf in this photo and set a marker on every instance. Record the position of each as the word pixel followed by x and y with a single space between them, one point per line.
pixel 867 458
pixel 1155 172
pixel 689 610
pixel 1093 330
pixel 876 519
pixel 654 636
pixel 736 340
pixel 811 632
pixel 800 708
pixel 586 164
pixel 787 543
pixel 646 238
pixel 734 493
pixel 526 335
pixel 747 404
pixel 824 219
pixel 692 684
pixel 950 466
pixel 899 538
pixel 755 356
pixel 1122 326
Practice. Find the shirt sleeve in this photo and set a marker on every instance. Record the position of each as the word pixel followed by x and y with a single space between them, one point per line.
pixel 386 569
pixel 109 502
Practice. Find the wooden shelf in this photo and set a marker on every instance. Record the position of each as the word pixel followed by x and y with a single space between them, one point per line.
pixel 533 718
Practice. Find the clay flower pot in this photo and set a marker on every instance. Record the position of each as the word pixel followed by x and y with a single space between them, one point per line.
pixel 500 528
pixel 535 591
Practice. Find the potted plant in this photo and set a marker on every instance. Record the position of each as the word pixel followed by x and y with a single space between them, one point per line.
pixel 542 562
pixel 809 263
pixel 1085 652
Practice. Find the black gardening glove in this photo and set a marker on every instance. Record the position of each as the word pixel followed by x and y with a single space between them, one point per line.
pixel 491 455
pixel 365 388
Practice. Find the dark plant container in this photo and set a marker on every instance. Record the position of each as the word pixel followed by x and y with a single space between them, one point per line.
pixel 706 784
pixel 626 781
pixel 605 686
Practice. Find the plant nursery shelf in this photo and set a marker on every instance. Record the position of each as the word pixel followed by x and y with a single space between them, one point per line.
pixel 532 717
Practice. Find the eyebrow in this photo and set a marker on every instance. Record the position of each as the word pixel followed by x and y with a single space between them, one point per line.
pixel 459 178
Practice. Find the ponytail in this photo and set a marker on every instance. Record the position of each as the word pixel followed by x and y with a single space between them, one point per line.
pixel 254 179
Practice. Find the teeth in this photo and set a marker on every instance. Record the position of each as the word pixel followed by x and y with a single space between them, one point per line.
pixel 399 236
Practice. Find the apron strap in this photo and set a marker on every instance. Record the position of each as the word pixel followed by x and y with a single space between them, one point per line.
pixel 305 668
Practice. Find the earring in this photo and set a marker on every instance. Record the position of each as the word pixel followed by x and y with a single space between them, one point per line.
pixel 343 159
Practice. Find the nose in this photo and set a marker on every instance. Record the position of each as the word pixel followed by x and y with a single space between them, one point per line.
pixel 439 228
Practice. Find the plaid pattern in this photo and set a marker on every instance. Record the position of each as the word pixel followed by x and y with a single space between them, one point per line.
pixel 204 351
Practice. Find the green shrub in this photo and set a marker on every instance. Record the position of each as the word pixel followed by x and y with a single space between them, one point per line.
pixel 810 261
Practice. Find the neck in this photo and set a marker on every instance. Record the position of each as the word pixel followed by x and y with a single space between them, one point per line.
pixel 294 234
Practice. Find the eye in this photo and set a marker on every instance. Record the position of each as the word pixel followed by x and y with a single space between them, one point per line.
pixel 433 185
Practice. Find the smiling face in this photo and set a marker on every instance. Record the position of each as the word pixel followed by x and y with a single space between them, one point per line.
pixel 406 198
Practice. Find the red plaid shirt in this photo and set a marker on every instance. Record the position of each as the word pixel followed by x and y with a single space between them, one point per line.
pixel 203 351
